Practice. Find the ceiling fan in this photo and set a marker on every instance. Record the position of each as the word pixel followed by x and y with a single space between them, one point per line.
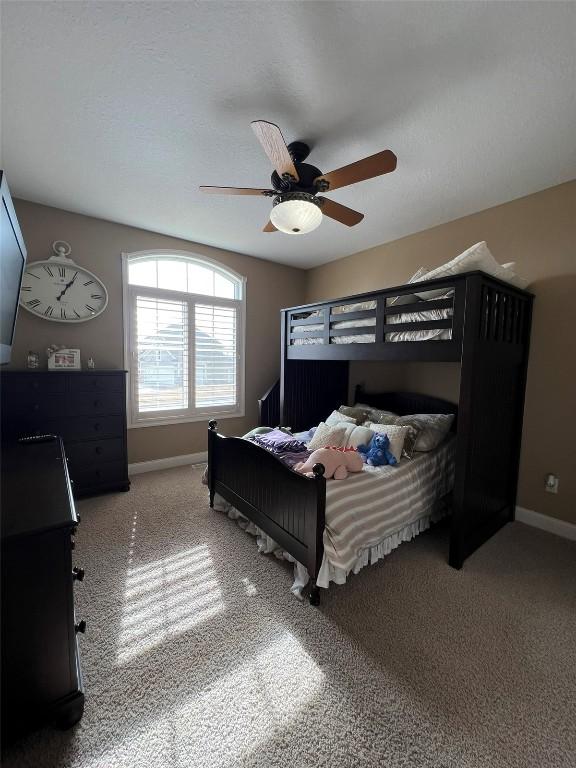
pixel 297 209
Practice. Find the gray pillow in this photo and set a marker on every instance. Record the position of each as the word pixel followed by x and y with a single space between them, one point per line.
pixel 378 416
pixel 432 428
pixel 358 413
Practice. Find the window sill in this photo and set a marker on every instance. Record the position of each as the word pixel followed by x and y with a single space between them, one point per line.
pixel 164 422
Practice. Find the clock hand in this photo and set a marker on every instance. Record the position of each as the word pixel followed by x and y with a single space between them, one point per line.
pixel 66 287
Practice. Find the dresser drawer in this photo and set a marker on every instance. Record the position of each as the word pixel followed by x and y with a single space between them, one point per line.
pixel 33 383
pixel 84 455
pixel 97 382
pixel 16 424
pixel 36 405
pixel 70 429
pixel 94 403
pixel 109 473
pixel 87 409
pixel 93 427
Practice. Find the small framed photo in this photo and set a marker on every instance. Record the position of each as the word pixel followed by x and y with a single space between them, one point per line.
pixel 64 359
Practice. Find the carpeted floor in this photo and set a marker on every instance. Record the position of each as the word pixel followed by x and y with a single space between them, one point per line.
pixel 196 653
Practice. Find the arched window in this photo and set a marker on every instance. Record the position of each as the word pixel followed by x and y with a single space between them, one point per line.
pixel 184 320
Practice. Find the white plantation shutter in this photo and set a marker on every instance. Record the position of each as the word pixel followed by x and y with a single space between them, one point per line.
pixel 184 349
pixel 161 346
pixel 215 353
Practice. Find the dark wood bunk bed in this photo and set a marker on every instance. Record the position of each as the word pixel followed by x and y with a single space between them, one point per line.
pixel 486 328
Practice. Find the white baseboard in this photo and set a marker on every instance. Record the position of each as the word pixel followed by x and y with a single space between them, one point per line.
pixel 172 461
pixel 546 523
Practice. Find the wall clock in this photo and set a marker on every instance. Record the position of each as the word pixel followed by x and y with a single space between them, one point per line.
pixel 58 289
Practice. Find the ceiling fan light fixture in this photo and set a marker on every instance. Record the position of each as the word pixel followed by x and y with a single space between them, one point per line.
pixel 296 213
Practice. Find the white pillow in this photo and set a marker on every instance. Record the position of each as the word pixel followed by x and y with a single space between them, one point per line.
pixel 359 436
pixel 420 274
pixel 512 277
pixel 336 417
pixel 326 436
pixel 476 257
pixel 397 436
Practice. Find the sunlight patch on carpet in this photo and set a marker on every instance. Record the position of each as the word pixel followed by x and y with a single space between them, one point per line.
pixel 237 715
pixel 165 598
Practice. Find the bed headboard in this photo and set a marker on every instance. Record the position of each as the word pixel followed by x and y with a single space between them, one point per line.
pixel 404 403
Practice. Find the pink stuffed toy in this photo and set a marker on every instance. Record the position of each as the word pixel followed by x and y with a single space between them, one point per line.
pixel 337 462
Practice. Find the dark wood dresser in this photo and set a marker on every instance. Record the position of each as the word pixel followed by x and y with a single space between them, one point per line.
pixel 41 677
pixel 86 408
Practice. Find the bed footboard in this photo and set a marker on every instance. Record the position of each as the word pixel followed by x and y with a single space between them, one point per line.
pixel 288 506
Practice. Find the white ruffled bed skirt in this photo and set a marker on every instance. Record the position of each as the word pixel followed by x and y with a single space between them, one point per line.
pixel 328 572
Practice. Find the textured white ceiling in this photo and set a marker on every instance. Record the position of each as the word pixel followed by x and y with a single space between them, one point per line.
pixel 120 110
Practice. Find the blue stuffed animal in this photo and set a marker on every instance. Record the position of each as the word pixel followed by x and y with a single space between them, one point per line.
pixel 377 452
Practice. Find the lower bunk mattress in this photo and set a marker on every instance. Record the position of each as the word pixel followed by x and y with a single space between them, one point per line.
pixel 371 513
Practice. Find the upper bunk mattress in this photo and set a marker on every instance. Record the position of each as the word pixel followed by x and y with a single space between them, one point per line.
pixel 314 331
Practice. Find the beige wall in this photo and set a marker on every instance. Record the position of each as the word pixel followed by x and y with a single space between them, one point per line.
pixel 97 245
pixel 538 233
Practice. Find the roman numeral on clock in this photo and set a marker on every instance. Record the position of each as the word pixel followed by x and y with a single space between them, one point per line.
pixel 88 307
pixel 47 268
pixel 33 303
pixel 89 282
pixel 49 311
pixel 62 271
pixel 96 296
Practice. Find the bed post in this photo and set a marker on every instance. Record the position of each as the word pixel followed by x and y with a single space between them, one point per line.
pixel 318 470
pixel 212 437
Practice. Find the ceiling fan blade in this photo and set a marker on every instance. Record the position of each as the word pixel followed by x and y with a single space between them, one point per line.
pixel 237 191
pixel 269 228
pixel 270 136
pixel 368 168
pixel 340 212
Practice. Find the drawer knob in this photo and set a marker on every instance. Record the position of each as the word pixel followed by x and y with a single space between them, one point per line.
pixel 80 627
pixel 78 574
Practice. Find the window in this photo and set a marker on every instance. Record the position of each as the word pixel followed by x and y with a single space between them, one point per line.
pixel 184 330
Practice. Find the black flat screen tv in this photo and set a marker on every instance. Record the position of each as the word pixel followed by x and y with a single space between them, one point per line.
pixel 12 263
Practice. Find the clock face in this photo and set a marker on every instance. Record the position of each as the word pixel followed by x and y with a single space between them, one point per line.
pixel 59 290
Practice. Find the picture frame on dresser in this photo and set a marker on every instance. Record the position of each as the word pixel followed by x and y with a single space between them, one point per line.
pixel 87 408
